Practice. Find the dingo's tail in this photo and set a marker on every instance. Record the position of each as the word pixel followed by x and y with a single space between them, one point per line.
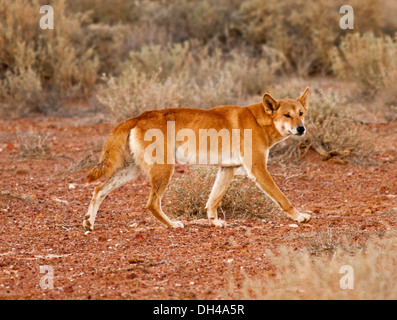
pixel 113 152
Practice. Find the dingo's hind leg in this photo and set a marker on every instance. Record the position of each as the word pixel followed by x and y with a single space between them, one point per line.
pixel 222 182
pixel 160 175
pixel 118 179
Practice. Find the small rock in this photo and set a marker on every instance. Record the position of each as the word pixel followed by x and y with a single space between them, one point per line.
pixel 132 276
pixel 293 225
pixel 134 260
pixel 60 200
pixel 68 289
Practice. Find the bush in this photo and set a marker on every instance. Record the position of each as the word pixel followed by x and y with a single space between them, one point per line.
pixel 110 44
pixel 305 31
pixel 107 12
pixel 185 76
pixel 57 59
pixel 301 30
pixel 203 20
pixel 166 61
pixel 242 200
pixel 369 60
pixel 22 89
pixel 371 63
pixel 205 52
pixel 133 92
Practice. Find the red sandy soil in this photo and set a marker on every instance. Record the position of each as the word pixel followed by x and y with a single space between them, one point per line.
pixel 130 255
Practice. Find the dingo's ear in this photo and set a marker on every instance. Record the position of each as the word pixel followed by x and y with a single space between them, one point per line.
pixel 271 105
pixel 304 98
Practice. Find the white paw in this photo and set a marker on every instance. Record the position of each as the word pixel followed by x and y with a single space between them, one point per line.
pixel 218 223
pixel 303 218
pixel 176 224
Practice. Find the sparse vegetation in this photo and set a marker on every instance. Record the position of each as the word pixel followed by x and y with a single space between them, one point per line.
pixel 244 200
pixel 370 60
pixel 133 56
pixel 300 275
pixel 58 59
pixel 95 37
pixel 33 145
pixel 123 57
pixel 185 77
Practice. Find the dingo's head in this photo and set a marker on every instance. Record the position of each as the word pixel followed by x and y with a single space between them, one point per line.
pixel 287 114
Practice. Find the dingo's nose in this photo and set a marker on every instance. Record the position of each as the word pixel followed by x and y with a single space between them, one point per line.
pixel 300 130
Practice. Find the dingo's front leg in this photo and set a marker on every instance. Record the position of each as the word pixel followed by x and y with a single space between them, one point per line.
pixel 263 179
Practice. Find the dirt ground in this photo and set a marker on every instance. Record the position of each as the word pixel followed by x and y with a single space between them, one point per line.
pixel 130 255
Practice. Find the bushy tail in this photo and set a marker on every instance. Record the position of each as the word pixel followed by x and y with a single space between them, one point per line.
pixel 113 152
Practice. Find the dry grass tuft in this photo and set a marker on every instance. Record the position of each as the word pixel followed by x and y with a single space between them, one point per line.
pixel 300 275
pixel 33 145
pixel 242 200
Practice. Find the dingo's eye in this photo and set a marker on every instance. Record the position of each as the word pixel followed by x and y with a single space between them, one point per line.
pixel 287 115
pixel 301 113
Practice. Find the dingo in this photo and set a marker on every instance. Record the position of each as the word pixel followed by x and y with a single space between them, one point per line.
pixel 125 153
